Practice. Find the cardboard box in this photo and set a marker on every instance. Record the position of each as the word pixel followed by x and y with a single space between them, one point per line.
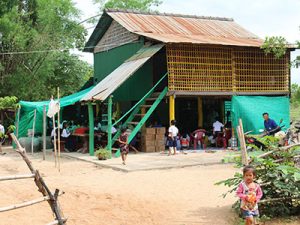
pixel 159 142
pixel 160 130
pixel 160 148
pixel 149 130
pixel 148 148
pixel 148 137
pixel 159 137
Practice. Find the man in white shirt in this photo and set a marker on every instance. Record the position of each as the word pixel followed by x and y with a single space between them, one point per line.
pixel 172 137
pixel 217 126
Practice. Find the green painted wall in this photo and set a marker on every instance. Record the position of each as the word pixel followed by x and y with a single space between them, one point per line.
pixel 137 85
pixel 107 61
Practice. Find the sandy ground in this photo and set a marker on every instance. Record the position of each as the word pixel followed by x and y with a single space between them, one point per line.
pixel 103 196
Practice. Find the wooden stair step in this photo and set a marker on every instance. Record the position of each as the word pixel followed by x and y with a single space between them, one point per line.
pixel 151 99
pixel 139 114
pixel 133 123
pixel 115 149
pixel 146 106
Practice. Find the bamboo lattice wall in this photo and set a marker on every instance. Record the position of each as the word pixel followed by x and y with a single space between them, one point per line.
pixel 225 69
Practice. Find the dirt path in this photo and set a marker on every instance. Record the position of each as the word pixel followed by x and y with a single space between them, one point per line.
pixel 102 196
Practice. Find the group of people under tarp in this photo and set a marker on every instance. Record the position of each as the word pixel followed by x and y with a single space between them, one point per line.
pixel 219 136
pixel 75 137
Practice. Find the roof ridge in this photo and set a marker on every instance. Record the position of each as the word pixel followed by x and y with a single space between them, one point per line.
pixel 168 14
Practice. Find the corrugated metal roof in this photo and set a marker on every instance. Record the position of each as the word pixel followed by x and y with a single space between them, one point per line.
pixel 170 28
pixel 111 82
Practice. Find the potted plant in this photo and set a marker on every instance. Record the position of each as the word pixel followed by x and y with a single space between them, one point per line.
pixel 102 154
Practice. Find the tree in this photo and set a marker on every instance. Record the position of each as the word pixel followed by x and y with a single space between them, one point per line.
pixel 143 5
pixel 35 39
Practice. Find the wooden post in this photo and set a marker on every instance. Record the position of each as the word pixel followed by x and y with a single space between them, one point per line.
pixel 200 112
pixel 33 128
pixel 91 128
pixel 58 131
pixel 240 130
pixel 171 107
pixel 109 127
pixel 44 132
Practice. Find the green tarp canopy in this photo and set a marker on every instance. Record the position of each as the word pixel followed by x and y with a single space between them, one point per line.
pixel 251 108
pixel 27 111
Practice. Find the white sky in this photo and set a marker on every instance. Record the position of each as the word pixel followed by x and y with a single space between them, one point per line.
pixel 263 18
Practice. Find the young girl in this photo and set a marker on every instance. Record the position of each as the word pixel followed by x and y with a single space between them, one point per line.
pixel 250 193
pixel 124 145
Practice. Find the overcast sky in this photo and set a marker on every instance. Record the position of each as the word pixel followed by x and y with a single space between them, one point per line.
pixel 263 18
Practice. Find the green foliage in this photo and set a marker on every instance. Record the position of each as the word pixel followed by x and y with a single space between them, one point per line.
pixel 143 5
pixel 8 102
pixel 279 180
pixel 34 32
pixel 103 154
pixel 275 45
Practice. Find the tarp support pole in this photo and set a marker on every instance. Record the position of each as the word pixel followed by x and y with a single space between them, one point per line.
pixel 200 112
pixel 33 127
pixel 18 122
pixel 172 107
pixel 91 127
pixel 44 132
pixel 109 127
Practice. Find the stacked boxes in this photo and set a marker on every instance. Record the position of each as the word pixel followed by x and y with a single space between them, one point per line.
pixel 160 139
pixel 153 139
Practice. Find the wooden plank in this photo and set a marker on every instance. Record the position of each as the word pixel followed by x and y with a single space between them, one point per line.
pixel 17 177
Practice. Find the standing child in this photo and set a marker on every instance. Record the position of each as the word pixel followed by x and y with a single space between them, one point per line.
pixel 124 145
pixel 250 193
pixel 172 137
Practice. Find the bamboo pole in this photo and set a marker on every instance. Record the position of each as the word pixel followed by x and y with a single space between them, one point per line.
pixel 44 132
pixel 17 177
pixel 40 183
pixel 25 204
pixel 33 128
pixel 58 131
pixel 55 151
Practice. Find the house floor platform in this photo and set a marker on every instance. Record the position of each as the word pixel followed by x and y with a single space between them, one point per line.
pixel 156 161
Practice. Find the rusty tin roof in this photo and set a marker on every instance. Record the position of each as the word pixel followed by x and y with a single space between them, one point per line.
pixel 176 28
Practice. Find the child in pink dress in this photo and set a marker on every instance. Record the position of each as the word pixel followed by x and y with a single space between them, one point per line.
pixel 250 193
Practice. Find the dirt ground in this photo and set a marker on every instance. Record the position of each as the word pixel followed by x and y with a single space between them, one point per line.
pixel 96 196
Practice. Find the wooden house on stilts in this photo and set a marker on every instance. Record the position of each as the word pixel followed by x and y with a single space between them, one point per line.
pixel 194 66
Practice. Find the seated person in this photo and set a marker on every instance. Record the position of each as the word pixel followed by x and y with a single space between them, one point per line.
pixel 270 125
pixel 185 141
pixel 199 135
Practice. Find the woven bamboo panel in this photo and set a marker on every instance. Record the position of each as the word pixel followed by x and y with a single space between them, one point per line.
pixel 198 68
pixel 209 69
pixel 115 36
pixel 255 71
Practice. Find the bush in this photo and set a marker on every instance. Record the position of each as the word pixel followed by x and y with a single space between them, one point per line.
pixel 103 154
pixel 279 176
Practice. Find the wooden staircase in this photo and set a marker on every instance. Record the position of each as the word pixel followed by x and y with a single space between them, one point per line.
pixel 137 118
